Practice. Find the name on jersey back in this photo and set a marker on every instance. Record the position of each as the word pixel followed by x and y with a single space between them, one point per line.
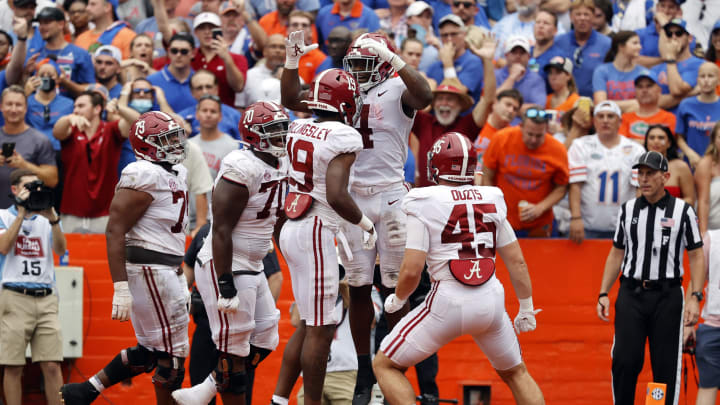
pixel 309 130
pixel 465 195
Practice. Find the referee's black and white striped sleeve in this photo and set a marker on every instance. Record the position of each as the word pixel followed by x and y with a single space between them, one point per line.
pixel 619 238
pixel 693 238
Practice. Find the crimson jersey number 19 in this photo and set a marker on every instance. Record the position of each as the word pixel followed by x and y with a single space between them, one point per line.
pixel 467 235
pixel 300 153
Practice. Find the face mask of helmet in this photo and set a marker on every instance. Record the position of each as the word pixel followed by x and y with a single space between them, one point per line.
pixel 40 197
pixel 141 106
pixel 273 135
pixel 47 83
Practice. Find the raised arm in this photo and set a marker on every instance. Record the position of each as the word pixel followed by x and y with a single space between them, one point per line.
pixel 486 52
pixel 291 93
pixel 14 69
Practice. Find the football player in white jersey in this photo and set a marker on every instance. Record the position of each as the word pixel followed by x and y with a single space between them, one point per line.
pixel 457 227
pixel 321 152
pixel 601 175
pixel 145 247
pixel 386 118
pixel 247 205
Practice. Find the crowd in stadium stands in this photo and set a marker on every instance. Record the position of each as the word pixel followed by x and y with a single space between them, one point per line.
pixel 575 92
pixel 79 72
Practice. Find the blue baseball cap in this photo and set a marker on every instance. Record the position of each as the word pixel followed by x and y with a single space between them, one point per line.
pixel 646 73
pixel 678 22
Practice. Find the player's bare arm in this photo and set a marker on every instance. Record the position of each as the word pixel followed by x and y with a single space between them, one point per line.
pixel 514 260
pixel 610 274
pixel 229 201
pixel 291 93
pixel 126 208
pixel 410 272
pixel 336 183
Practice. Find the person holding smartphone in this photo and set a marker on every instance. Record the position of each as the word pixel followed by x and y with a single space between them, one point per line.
pixel 214 55
pixel 32 150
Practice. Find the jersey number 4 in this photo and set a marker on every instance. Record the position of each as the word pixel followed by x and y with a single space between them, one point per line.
pixel 468 232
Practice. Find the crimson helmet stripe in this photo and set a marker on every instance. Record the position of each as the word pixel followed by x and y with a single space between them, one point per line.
pixel 465 152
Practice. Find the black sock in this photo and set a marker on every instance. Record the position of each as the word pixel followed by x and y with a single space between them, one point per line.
pixel 365 376
pixel 116 371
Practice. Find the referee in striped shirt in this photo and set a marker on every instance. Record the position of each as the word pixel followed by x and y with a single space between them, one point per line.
pixel 651 234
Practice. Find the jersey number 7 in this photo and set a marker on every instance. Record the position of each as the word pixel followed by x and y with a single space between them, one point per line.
pixel 467 234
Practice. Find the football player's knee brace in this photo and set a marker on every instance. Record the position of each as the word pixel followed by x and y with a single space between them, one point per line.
pixel 138 360
pixel 257 354
pixel 228 381
pixel 171 376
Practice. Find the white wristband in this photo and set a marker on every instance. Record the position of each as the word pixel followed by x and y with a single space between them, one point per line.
pixel 526 304
pixel 121 286
pixel 365 223
pixel 449 73
pixel 291 63
pixel 397 63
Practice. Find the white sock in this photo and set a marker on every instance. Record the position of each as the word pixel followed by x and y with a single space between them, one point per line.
pixel 208 385
pixel 95 381
pixel 279 400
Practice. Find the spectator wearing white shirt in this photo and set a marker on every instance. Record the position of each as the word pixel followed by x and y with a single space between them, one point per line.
pixel 262 80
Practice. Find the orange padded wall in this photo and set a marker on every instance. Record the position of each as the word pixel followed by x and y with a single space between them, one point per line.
pixel 569 353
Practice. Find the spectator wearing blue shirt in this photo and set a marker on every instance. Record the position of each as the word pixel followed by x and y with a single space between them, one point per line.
pixel 455 59
pixel 352 14
pixel 45 106
pixel 696 116
pixel 678 74
pixel 107 69
pixel 338 43
pixel 174 78
pixel 205 83
pixel 74 62
pixel 665 10
pixel 516 75
pixel 584 45
pixel 615 79
pixel 545 47
pixel 521 22
pixel 467 10
pixel 142 97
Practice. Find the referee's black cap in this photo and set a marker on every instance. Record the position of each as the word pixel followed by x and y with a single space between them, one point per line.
pixel 653 160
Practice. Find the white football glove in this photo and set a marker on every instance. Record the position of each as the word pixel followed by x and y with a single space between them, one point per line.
pixel 393 303
pixel 295 48
pixel 369 236
pixel 525 319
pixel 122 301
pixel 228 306
pixel 382 52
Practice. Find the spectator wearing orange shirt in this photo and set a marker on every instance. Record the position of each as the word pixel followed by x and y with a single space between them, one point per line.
pixel 503 111
pixel 647 93
pixel 531 168
pixel 278 21
pixel 564 91
pixel 107 31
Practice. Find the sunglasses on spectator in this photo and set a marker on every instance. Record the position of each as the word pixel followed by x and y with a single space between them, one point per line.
pixel 46 113
pixel 537 115
pixel 674 33
pixel 142 91
pixel 466 4
pixel 577 57
pixel 183 51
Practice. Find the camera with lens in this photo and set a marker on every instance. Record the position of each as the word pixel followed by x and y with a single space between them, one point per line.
pixel 40 197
